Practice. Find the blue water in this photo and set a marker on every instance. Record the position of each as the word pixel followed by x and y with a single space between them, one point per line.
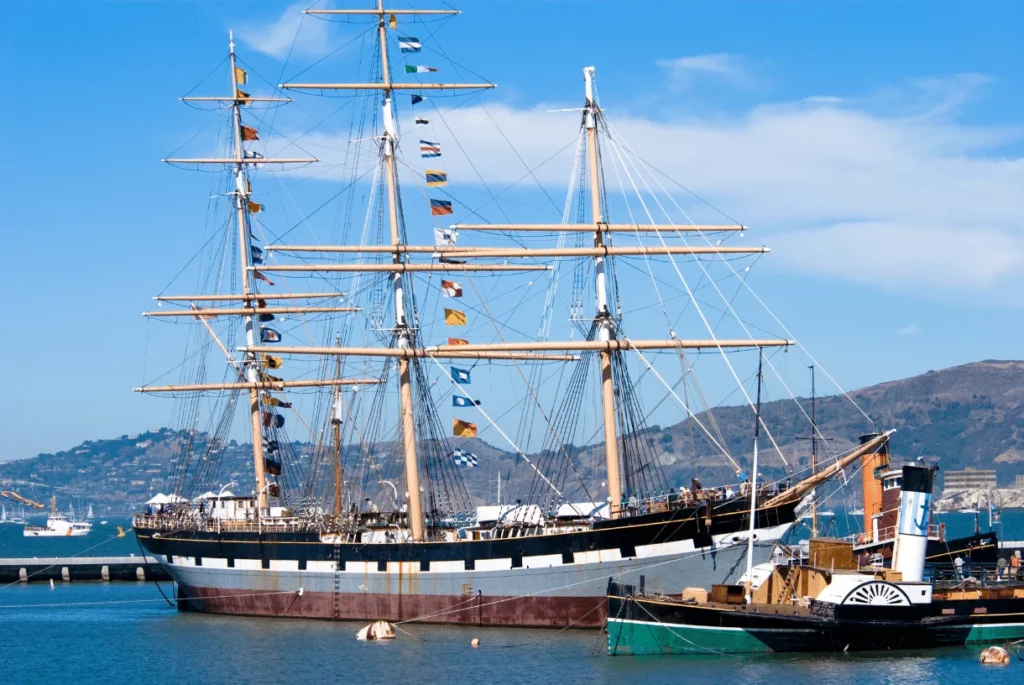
pixel 93 632
pixel 102 541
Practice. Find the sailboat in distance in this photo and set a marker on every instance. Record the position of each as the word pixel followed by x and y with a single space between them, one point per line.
pixel 410 327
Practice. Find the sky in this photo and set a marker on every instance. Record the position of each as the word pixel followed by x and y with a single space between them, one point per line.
pixel 876 147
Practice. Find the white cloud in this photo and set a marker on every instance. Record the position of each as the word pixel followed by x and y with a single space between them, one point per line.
pixel 913 199
pixel 824 99
pixel 911 329
pixel 276 39
pixel 722 67
pixel 941 260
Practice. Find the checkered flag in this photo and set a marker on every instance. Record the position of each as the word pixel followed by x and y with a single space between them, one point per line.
pixel 464 458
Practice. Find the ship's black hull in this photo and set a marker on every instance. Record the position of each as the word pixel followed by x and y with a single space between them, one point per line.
pixel 695 524
pixel 546 580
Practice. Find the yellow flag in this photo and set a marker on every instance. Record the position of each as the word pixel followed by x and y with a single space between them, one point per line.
pixel 267 378
pixel 393 22
pixel 240 76
pixel 275 402
pixel 454 317
pixel 255 207
pixel 242 96
pixel 272 362
pixel 457 341
pixel 463 429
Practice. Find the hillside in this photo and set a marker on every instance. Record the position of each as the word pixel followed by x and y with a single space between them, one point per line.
pixel 970 415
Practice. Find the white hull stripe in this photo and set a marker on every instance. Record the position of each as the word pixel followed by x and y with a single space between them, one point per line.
pixel 687 626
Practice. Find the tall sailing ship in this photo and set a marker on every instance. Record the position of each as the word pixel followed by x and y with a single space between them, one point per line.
pixel 377 520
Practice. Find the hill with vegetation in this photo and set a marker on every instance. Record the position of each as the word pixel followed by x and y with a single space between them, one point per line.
pixel 970 415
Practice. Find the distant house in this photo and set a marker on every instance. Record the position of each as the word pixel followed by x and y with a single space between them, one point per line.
pixel 969 479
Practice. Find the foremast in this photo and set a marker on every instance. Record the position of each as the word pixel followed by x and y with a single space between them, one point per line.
pixel 603 319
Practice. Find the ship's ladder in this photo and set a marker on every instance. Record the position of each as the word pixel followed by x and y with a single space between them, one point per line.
pixel 337 581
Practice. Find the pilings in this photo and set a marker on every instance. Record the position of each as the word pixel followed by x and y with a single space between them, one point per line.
pixel 71 569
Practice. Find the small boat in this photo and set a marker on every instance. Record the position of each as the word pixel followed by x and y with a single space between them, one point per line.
pixel 830 606
pixel 58 525
pixel 89 515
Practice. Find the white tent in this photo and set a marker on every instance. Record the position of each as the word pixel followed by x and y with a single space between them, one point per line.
pixel 161 498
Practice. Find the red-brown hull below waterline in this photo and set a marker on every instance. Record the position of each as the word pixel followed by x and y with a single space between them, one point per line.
pixel 474 609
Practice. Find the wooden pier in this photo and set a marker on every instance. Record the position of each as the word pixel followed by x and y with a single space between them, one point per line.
pixel 72 569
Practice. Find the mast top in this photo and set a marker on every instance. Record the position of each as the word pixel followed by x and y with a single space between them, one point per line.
pixel 588 78
pixel 231 41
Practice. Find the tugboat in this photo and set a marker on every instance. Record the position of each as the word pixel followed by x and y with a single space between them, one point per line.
pixel 58 525
pixel 831 605
pixel 880 484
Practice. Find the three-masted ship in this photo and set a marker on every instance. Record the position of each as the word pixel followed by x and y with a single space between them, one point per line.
pixel 376 521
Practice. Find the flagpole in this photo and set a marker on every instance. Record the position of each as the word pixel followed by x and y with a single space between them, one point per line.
pixel 244 245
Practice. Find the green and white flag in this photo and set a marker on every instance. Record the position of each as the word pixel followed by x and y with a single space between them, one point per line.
pixel 418 69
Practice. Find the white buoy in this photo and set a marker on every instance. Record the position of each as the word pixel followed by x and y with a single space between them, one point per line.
pixel 475 642
pixel 51 583
pixel 378 630
pixel 995 655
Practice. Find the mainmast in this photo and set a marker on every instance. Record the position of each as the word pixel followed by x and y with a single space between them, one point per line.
pixel 605 322
pixel 403 334
pixel 252 371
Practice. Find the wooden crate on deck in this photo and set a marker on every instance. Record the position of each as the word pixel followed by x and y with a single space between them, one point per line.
pixel 727 594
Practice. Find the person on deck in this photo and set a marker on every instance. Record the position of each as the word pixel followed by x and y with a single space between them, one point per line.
pixel 1015 565
pixel 959 565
